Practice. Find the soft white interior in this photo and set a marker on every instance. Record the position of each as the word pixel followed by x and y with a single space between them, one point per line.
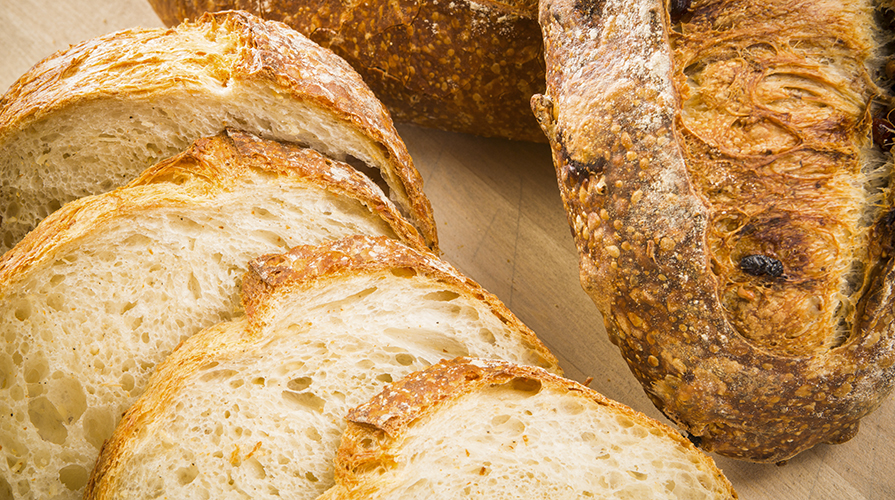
pixel 83 333
pixel 523 441
pixel 267 423
pixel 97 145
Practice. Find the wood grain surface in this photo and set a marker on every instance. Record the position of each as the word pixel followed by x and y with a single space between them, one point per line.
pixel 501 221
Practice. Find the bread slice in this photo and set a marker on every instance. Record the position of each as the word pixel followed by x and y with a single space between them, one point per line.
pixel 474 428
pixel 108 285
pixel 94 116
pixel 255 407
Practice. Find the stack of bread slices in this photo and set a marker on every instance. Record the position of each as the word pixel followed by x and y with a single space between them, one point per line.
pixel 216 245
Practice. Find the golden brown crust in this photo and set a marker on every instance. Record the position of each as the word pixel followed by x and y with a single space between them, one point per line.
pixel 644 233
pixel 273 275
pixel 210 166
pixel 375 428
pixel 467 66
pixel 142 62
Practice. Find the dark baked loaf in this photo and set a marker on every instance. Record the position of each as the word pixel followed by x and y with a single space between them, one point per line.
pixel 466 66
pixel 732 216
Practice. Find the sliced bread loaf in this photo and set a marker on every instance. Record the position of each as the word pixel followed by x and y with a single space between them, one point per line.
pixel 473 428
pixel 94 116
pixel 254 408
pixel 108 285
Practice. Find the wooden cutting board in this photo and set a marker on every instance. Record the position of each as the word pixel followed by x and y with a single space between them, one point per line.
pixel 501 221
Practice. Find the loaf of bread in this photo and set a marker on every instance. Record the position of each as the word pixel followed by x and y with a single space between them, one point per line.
pixel 94 116
pixel 107 286
pixel 733 218
pixel 474 428
pixel 465 65
pixel 256 406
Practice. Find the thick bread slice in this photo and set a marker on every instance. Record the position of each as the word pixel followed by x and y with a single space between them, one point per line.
pixel 465 65
pixel 474 428
pixel 255 407
pixel 93 117
pixel 108 285
pixel 733 220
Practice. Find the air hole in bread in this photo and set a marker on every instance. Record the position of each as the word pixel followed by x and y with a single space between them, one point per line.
pixel 404 272
pixel 299 384
pixel 127 382
pixel 186 475
pixel 47 420
pixel 311 477
pixel 23 311
pixel 6 371
pixel 36 369
pixel 304 401
pixel 443 295
pixel 528 386
pixel 384 377
pixel 487 336
pixel 218 375
pixel 312 434
pixel 195 287
pixel 337 304
pixel 404 359
pixel 74 477
pixel 98 424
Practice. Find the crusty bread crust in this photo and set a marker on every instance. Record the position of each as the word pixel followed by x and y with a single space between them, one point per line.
pixel 466 66
pixel 376 430
pixel 647 231
pixel 276 275
pixel 141 64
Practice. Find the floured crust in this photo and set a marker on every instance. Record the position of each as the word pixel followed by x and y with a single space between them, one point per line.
pixel 644 233
pixel 211 166
pixel 376 429
pixel 144 63
pixel 467 65
pixel 273 275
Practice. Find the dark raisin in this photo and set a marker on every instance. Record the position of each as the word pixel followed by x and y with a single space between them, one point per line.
pixel 761 265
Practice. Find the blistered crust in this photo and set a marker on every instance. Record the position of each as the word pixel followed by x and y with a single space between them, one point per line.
pixel 642 229
pixel 271 276
pixel 376 428
pixel 209 167
pixel 141 62
pixel 466 66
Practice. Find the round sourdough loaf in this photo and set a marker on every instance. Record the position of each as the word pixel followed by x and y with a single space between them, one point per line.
pixel 461 65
